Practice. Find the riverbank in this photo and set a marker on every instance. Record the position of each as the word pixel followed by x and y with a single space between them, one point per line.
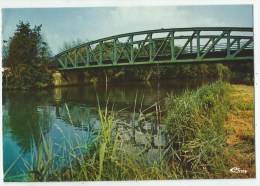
pixel 84 77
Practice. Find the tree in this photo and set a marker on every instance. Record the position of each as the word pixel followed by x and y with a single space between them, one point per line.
pixel 27 56
pixel 68 45
pixel 4 53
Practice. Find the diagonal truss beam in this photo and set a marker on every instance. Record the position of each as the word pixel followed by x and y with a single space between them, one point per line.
pixel 213 44
pixel 106 51
pixel 185 45
pixel 124 49
pixel 232 43
pixel 160 48
pixel 82 58
pixel 141 47
pixel 70 59
pixel 243 47
pixel 61 62
pixel 92 55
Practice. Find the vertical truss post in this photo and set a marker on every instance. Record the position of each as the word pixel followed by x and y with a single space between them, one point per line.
pixel 76 57
pixel 131 49
pixel 212 40
pixel 191 45
pixel 100 53
pixel 150 47
pixel 66 61
pixel 115 52
pixel 87 55
pixel 172 46
pixel 198 44
pixel 228 44
pixel 154 47
pixel 238 44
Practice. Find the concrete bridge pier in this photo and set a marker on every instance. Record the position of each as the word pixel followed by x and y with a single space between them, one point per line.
pixel 56 79
pixel 66 78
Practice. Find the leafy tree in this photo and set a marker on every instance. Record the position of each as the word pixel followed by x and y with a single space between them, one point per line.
pixel 27 57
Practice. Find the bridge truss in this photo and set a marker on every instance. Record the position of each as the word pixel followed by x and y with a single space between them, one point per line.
pixel 162 46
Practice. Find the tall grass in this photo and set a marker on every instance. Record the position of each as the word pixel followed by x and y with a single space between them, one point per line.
pixel 195 131
pixel 40 166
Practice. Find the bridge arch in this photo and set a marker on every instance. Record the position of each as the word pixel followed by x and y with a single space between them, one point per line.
pixel 162 46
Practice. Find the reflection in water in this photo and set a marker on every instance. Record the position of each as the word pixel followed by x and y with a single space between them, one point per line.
pixel 72 113
pixel 26 117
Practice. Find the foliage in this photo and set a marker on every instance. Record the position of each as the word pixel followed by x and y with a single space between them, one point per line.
pixel 223 71
pixel 27 57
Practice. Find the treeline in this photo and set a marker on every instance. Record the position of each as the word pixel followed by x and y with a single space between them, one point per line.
pixel 237 72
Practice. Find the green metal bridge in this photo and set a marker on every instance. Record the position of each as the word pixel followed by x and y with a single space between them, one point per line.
pixel 162 46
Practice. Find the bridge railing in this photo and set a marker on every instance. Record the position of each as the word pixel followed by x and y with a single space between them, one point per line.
pixel 161 46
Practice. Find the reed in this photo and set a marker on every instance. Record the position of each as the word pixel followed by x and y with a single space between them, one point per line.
pixel 195 128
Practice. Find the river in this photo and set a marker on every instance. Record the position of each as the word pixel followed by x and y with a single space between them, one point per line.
pixel 72 113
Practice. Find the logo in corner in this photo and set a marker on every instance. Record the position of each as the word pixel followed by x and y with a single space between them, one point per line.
pixel 238 170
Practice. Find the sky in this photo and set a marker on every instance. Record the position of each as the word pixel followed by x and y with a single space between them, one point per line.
pixel 60 25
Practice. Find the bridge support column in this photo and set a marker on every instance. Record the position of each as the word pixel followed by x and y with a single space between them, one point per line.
pixel 56 78
pixel 70 78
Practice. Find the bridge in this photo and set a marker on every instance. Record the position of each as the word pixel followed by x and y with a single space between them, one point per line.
pixel 162 46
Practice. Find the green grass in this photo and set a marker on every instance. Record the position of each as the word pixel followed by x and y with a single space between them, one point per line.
pixel 195 126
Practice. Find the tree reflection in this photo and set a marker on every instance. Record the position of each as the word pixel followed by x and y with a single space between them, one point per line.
pixel 25 118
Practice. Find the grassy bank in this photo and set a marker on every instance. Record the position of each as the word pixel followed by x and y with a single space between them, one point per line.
pixel 195 126
pixel 206 132
pixel 239 126
pixel 212 131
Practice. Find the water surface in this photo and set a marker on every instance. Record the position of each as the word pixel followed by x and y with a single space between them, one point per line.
pixel 72 113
